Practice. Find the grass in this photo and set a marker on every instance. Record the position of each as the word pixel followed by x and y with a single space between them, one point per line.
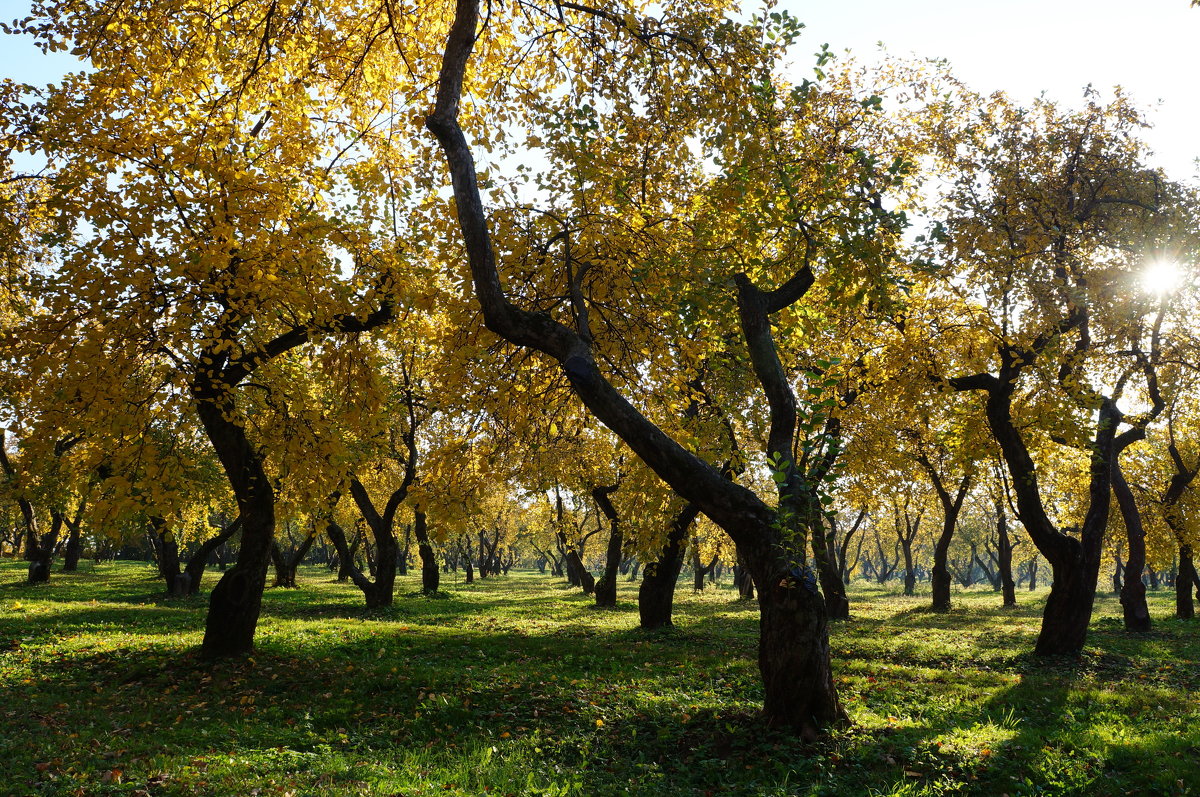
pixel 518 686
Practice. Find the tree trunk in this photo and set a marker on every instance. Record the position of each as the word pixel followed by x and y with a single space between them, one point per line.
pixel 699 570
pixel 468 568
pixel 236 601
pixel 910 573
pixel 742 580
pixel 1033 571
pixel 606 587
pixel 166 556
pixel 74 546
pixel 656 594
pixel 430 577
pixel 837 603
pixel 1075 563
pixel 1184 608
pixel 402 556
pixel 1069 605
pixel 286 563
pixel 794 649
pixel 1004 557
pixel 793 653
pixel 1133 591
pixel 195 566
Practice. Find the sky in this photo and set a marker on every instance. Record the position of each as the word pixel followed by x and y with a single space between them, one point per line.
pixel 1151 48
pixel 1026 47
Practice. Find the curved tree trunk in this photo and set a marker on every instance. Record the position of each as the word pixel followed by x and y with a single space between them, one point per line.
pixel 1133 591
pixel 743 580
pixel 1075 563
pixel 794 648
pixel 287 563
pixel 236 600
pixel 195 566
pixel 951 507
pixel 74 547
pixel 700 571
pixel 166 556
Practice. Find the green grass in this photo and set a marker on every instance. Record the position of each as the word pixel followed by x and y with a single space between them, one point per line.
pixel 518 686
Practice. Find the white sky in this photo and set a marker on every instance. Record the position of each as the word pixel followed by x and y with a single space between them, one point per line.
pixel 1025 47
pixel 1151 48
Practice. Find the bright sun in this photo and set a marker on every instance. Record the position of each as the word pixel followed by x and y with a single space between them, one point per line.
pixel 1161 277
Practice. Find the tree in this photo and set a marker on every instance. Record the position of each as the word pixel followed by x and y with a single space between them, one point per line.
pixel 194 259
pixel 1048 243
pixel 794 650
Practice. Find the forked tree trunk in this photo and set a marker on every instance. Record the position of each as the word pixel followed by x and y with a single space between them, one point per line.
pixel 699 570
pixel 39 548
pixel 74 547
pixel 656 594
pixel 166 556
pixel 288 562
pixel 1069 605
pixel 1075 563
pixel 742 580
pixel 951 507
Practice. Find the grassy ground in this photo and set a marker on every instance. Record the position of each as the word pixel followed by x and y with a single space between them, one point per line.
pixel 517 686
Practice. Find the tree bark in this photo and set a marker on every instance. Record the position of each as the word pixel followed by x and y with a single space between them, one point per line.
pixel 951 507
pixel 288 562
pixel 699 570
pixel 1133 591
pixel 793 650
pixel 656 594
pixel 166 555
pixel 74 547
pixel 742 580
pixel 195 566
pixel 1075 563
pixel 1004 554
pixel 430 577
pixel 1184 608
pixel 837 602
pixel 606 587
pixel 236 601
